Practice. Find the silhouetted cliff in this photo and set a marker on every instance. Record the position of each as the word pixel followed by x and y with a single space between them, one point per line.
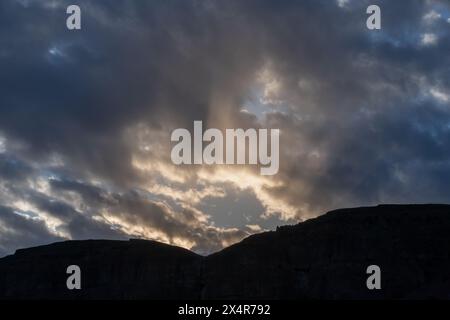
pixel 321 258
pixel 134 269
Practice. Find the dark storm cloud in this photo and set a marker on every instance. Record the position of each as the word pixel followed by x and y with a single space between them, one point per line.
pixel 364 114
pixel 75 93
pixel 12 168
pixel 363 109
pixel 18 231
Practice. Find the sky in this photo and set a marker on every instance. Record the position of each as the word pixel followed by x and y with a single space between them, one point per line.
pixel 86 115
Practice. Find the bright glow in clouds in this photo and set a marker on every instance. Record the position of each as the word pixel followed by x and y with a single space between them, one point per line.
pixel 429 39
pixel 431 16
pixel 342 3
pixel 271 87
pixel 190 149
pixel 440 95
pixel 2 144
pixel 260 185
pixel 30 211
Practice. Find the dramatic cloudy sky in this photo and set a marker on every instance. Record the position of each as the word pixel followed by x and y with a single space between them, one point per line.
pixel 86 116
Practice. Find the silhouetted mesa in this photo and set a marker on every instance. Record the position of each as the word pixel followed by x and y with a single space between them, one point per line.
pixel 322 258
pixel 134 269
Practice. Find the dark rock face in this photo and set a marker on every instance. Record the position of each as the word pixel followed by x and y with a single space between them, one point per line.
pixel 327 258
pixel 323 258
pixel 132 269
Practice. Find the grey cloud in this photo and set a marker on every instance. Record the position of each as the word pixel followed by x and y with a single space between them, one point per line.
pixel 133 208
pixel 21 232
pixel 12 168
